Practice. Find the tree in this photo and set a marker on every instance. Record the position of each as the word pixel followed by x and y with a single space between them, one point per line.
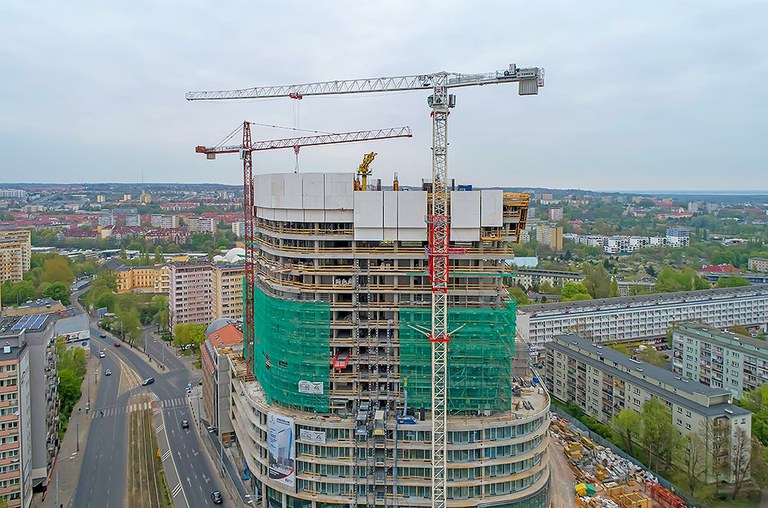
pixel 127 324
pixel 573 291
pixel 659 436
pixel 596 280
pixel 159 255
pixel 57 269
pixel 670 280
pixel 185 334
pixel 626 426
pixel 733 281
pixel 69 390
pixel 740 459
pixel 650 355
pixel 58 291
pixel 741 330
pixel 614 288
pixel 694 461
pixel 16 293
pixel 519 295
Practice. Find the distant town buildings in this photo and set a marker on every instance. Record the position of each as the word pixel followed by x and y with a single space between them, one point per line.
pixel 15 254
pixel 551 236
pixel 758 264
pixel 617 244
pixel 201 225
pixel 642 317
pixel 164 221
pixel 555 214
pixel 142 279
pixel 602 382
pixel 531 277
pixel 13 193
pixel 238 228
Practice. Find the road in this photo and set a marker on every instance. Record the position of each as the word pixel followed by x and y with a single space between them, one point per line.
pixel 103 478
pixel 561 493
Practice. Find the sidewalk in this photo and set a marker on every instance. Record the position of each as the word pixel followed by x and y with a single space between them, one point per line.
pixel 69 459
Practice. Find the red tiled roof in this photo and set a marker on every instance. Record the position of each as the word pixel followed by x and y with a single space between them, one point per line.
pixel 720 269
pixel 226 336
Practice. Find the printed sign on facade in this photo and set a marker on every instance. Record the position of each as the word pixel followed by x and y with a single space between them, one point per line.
pixel 310 387
pixel 281 445
pixel 311 436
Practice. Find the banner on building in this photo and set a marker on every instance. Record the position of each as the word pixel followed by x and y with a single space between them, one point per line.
pixel 281 445
pixel 310 387
pixel 312 436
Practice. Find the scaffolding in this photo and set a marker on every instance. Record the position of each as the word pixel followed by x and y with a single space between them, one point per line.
pixel 291 351
pixel 479 358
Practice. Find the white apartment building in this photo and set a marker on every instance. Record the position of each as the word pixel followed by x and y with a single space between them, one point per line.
pixel 719 358
pixel 201 225
pixel 602 382
pixel 164 221
pixel 238 228
pixel 758 264
pixel 642 317
pixel 189 293
pixel 15 254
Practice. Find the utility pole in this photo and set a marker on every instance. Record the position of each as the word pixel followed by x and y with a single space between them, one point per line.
pixel 77 429
pixel 218 424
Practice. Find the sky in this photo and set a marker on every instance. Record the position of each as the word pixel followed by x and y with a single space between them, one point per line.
pixel 638 95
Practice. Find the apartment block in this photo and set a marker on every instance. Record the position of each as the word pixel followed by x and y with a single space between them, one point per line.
pixel 643 317
pixel 555 214
pixel 189 293
pixel 342 277
pixel 164 221
pixel 531 277
pixel 15 252
pixel 201 225
pixel 758 264
pixel 142 279
pixel 719 358
pixel 551 236
pixel 222 339
pixel 238 228
pixel 227 291
pixel 602 382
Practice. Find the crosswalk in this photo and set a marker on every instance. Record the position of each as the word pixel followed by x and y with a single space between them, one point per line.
pixel 178 402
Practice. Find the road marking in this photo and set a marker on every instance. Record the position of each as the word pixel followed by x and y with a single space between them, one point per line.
pixel 176 490
pixel 160 428
pixel 166 455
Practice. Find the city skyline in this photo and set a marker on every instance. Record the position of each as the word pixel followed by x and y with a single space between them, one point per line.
pixel 643 99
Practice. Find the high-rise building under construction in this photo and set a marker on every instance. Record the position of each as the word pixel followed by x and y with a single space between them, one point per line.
pixel 333 407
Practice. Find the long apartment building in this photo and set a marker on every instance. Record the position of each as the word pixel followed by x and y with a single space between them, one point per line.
pixel 227 295
pixel 602 382
pixel 190 286
pixel 719 358
pixel 643 317
pixel 342 283
pixel 15 252
pixel 142 279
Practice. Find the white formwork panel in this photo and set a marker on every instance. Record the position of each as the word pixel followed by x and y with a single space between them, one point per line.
pixel 369 215
pixel 339 216
pixel 411 215
pixel 491 208
pixel 390 215
pixel 465 216
pixel 369 234
pixel 262 190
pixel 292 192
pixel 277 192
pixel 294 215
pixel 313 191
pixel 339 188
pixel 265 213
pixel 314 215
pixel 281 214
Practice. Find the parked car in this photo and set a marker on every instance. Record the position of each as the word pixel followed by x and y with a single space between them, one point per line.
pixel 107 372
pixel 216 496
pixel 148 381
pixel 103 335
pixel 184 424
pixel 117 343
pixel 102 354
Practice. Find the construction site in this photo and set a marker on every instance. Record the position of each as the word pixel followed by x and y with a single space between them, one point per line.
pixel 379 333
pixel 603 479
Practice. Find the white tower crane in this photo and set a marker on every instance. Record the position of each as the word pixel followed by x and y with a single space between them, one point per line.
pixel 529 80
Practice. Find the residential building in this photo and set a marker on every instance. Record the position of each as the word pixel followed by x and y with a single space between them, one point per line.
pixel 106 218
pixel 101 198
pixel 13 193
pixel 618 244
pixel 719 358
pixel 15 252
pixel 238 228
pixel 142 279
pixel 222 339
pixel 342 275
pixel 164 221
pixel 678 236
pixel 555 214
pixel 551 236
pixel 602 382
pixel 227 291
pixel 532 277
pixel 642 317
pixel 758 264
pixel 189 293
pixel 201 225
pixel 133 220
pixel 145 198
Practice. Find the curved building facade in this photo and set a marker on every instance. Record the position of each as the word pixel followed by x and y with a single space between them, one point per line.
pixel 334 409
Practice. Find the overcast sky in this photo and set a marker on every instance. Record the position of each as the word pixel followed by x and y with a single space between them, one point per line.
pixel 639 95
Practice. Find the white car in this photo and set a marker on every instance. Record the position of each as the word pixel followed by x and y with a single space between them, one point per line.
pixel 102 354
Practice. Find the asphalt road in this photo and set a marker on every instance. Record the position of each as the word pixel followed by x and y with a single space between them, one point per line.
pixel 103 475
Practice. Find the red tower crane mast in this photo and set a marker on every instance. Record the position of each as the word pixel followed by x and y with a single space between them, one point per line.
pixel 246 150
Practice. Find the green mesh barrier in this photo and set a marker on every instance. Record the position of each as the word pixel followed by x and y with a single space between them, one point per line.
pixel 292 345
pixel 479 358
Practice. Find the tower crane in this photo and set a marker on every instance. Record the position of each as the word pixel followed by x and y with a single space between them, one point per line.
pixel 246 149
pixel 440 101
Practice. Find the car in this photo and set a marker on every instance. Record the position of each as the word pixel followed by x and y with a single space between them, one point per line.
pixel 148 381
pixel 103 335
pixel 107 372
pixel 213 430
pixel 216 497
pixel 102 354
pixel 184 424
pixel 117 343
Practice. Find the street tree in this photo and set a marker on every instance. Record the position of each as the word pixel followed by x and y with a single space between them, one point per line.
pixel 57 269
pixel 659 436
pixel 740 459
pixel 627 426
pixel 58 291
pixel 573 291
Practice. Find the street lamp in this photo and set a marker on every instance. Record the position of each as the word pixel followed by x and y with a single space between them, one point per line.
pixel 77 428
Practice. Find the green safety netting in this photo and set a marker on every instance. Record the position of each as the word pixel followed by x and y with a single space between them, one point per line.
pixel 479 369
pixel 291 348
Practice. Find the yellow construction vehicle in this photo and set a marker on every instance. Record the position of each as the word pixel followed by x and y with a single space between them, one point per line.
pixel 364 171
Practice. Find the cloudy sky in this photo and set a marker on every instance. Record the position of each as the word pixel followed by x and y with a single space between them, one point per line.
pixel 639 95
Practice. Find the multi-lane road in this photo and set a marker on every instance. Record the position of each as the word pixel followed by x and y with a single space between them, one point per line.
pixel 103 477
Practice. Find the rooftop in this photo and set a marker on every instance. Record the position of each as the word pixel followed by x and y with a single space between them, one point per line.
pixel 30 322
pixel 727 335
pixel 72 324
pixel 667 383
pixel 646 300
